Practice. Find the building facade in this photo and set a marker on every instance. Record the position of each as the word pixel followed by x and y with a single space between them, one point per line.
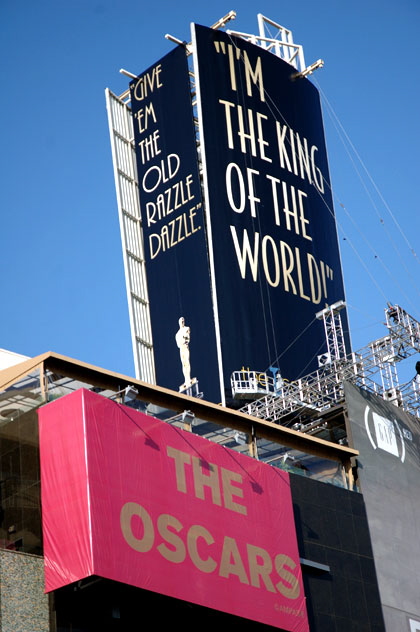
pixel 330 524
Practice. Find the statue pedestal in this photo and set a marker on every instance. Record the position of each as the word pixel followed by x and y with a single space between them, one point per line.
pixel 191 389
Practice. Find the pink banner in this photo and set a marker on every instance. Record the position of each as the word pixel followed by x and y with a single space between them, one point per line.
pixel 130 498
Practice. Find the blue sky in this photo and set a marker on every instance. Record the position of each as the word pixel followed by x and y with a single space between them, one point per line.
pixel 62 278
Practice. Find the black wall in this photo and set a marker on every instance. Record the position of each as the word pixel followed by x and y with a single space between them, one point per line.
pixel 332 529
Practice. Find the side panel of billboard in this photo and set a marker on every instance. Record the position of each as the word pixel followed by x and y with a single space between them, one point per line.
pixel 271 225
pixel 166 511
pixel 389 471
pixel 64 496
pixel 173 223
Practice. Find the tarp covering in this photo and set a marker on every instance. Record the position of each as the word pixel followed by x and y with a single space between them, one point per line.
pixel 133 499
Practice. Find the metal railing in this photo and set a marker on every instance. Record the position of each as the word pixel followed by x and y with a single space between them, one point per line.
pixel 324 388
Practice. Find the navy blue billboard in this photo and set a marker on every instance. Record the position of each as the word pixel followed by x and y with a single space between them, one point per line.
pixel 173 228
pixel 271 227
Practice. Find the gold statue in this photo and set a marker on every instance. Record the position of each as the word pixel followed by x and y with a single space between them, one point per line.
pixel 182 338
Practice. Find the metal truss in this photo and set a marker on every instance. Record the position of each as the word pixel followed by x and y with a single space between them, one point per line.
pixel 126 185
pixel 333 334
pixel 280 43
pixel 324 388
pixel 272 37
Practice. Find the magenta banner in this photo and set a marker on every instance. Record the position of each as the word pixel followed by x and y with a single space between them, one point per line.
pixel 133 499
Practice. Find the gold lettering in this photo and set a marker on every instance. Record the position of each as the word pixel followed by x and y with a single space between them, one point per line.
pixel 289 584
pixel 145 543
pixel 254 74
pixel 147 83
pixel 164 234
pixel 228 118
pixel 181 460
pixel 273 282
pixel 142 117
pixel 287 269
pixel 256 555
pixel 164 524
pixel 231 562
pixel 201 480
pixel 303 220
pixel 207 565
pixel 230 490
pixel 153 237
pixel 316 296
pixel 299 273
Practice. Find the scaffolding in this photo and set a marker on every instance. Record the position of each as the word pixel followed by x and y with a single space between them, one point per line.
pixel 373 368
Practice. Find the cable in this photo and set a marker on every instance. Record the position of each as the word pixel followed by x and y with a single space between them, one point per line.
pixel 335 120
pixel 413 252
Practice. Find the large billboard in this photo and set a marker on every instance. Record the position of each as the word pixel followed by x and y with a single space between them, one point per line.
pixel 173 224
pixel 270 218
pixel 247 272
pixel 388 440
pixel 130 498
